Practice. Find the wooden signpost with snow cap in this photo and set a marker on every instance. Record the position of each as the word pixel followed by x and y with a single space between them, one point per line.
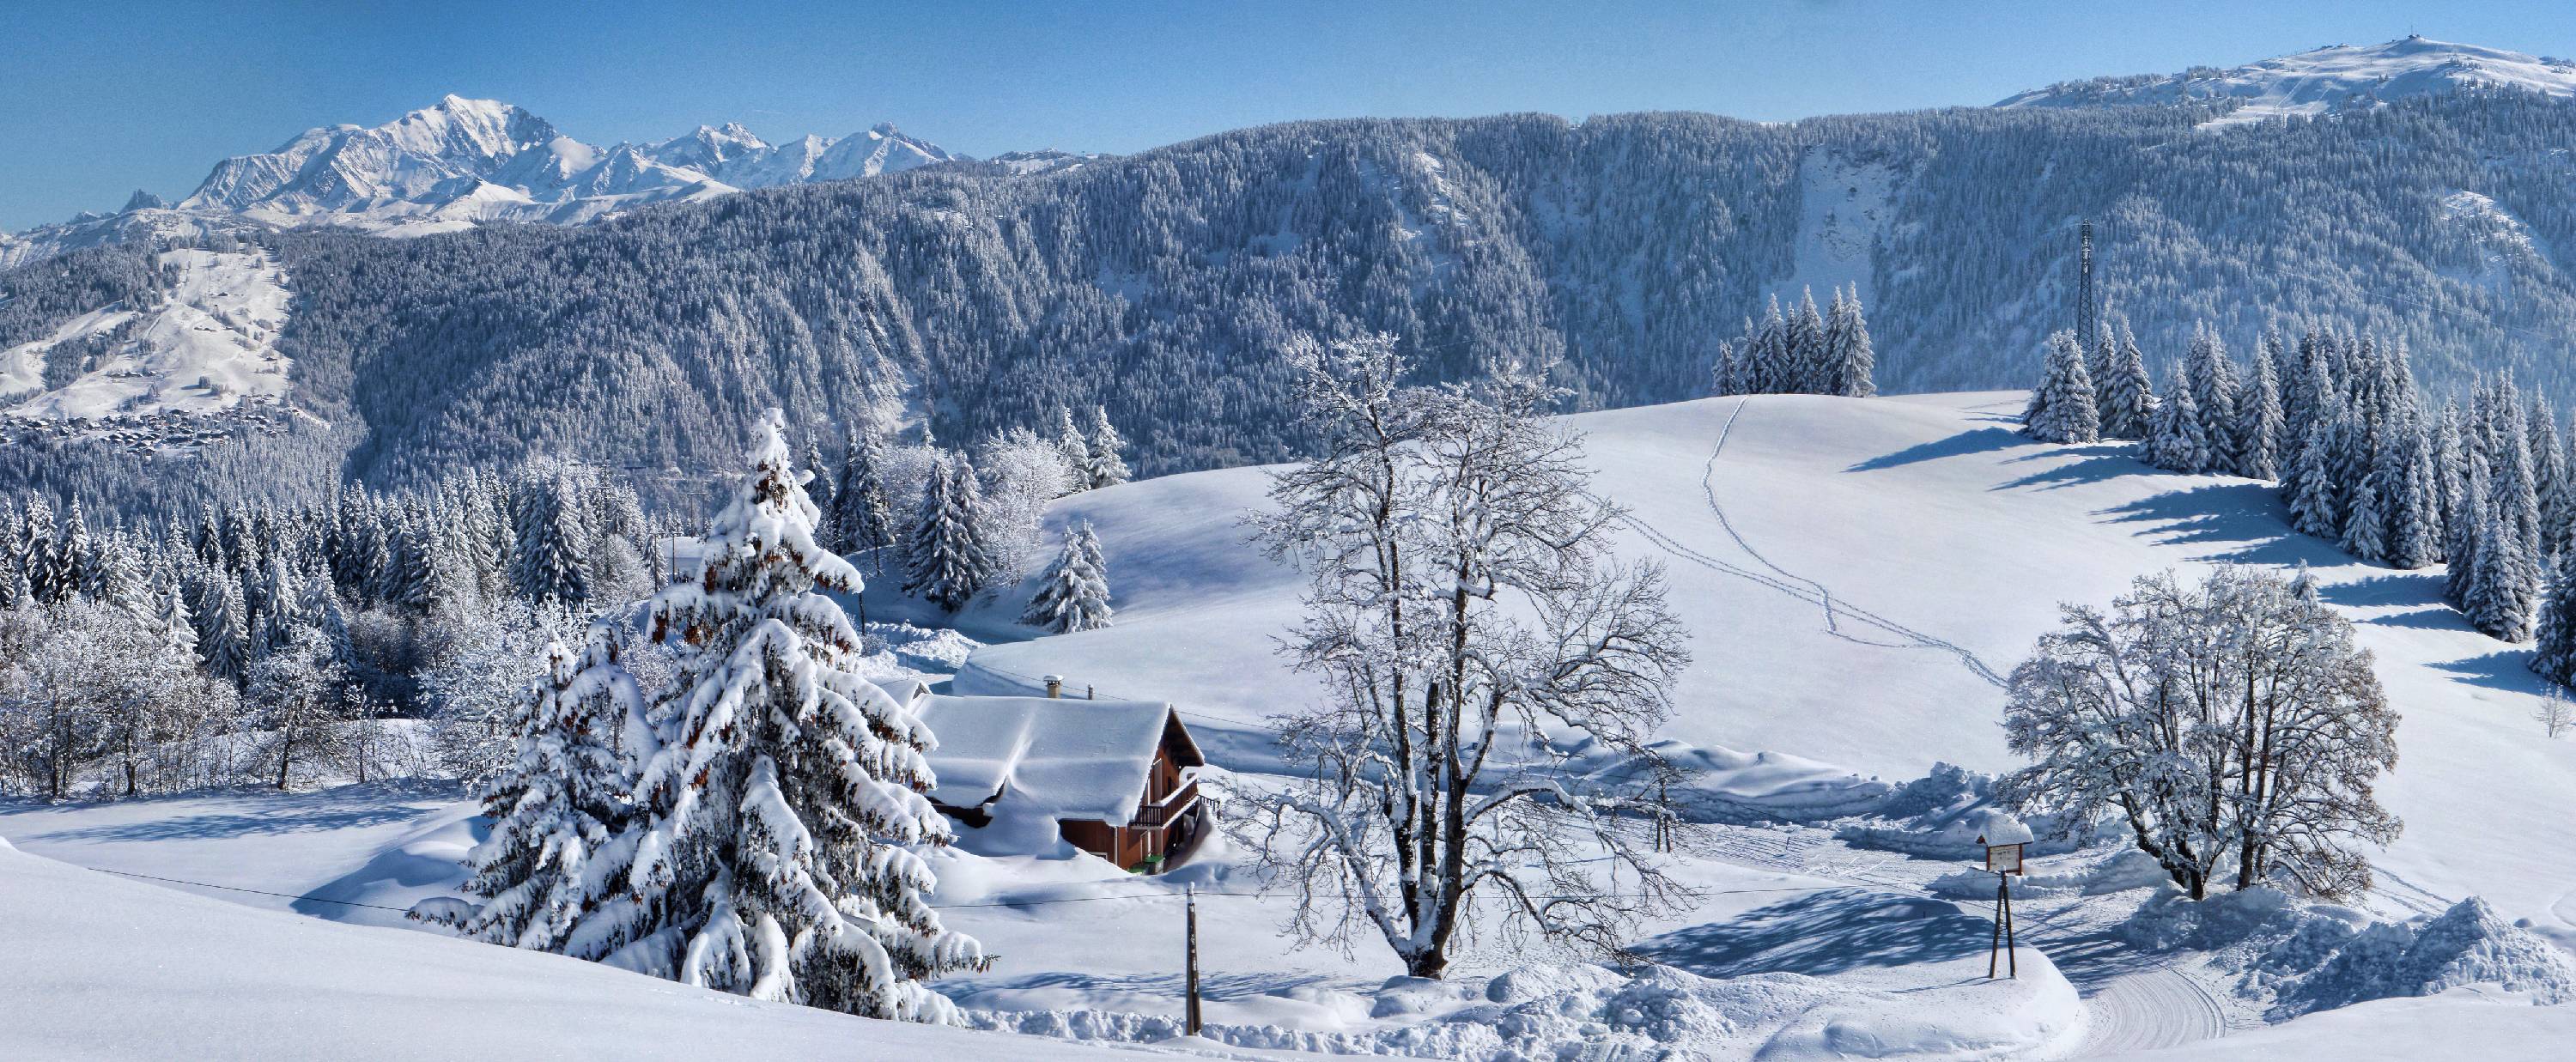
pixel 2004 839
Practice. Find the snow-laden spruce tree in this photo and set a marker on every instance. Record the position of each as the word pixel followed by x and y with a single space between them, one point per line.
pixel 2415 514
pixel 2230 724
pixel 2365 532
pixel 559 800
pixel 1853 364
pixel 1470 626
pixel 1810 362
pixel 946 559
pixel 2174 439
pixel 2133 393
pixel 2554 658
pixel 1108 469
pixel 773 856
pixel 2213 396
pixel 864 523
pixel 2261 432
pixel 1070 442
pixel 1074 593
pixel 2061 407
pixel 548 565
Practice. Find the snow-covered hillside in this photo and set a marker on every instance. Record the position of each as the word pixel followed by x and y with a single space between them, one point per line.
pixel 1856 576
pixel 2333 78
pixel 209 345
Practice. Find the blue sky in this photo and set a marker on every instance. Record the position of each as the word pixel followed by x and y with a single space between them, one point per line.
pixel 99 98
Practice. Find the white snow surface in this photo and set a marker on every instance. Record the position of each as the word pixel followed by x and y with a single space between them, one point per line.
pixel 1856 574
pixel 209 346
pixel 2464 1025
pixel 98 967
pixel 2334 78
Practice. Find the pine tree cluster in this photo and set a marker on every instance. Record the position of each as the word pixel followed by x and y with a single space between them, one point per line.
pixel 1802 353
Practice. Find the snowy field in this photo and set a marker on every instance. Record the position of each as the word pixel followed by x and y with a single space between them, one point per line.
pixel 208 347
pixel 1856 575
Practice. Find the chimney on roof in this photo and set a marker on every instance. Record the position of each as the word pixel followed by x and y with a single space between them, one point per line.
pixel 1055 686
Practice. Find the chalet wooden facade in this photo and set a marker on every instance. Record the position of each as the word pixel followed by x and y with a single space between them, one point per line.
pixel 1120 778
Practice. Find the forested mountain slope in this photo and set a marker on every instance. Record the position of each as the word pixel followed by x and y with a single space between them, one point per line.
pixel 1163 284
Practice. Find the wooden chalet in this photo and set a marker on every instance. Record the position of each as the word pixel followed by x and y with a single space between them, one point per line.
pixel 1120 778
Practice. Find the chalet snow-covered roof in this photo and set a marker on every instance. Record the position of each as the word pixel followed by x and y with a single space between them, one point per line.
pixel 1071 759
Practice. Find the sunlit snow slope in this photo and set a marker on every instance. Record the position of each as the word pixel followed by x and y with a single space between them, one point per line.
pixel 1856 576
pixel 209 345
pixel 101 967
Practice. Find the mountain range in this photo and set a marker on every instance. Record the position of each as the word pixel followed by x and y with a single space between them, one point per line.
pixel 461 162
pixel 2414 189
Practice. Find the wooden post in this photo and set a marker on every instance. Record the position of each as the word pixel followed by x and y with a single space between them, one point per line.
pixel 1190 1023
pixel 1054 686
pixel 2012 960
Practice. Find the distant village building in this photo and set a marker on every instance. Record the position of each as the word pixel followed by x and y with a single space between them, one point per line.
pixel 1119 777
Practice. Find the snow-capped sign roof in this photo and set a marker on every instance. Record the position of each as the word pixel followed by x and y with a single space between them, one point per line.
pixel 1071 759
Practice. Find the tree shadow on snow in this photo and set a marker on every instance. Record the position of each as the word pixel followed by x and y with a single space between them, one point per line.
pixel 1823 934
pixel 2395 588
pixel 2509 670
pixel 2090 464
pixel 1982 440
pixel 210 827
pixel 2244 518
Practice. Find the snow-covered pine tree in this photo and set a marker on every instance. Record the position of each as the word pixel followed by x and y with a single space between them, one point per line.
pixel 559 801
pixel 1070 441
pixel 2259 425
pixel 2133 394
pixel 2549 475
pixel 2415 515
pixel 824 492
pixel 2554 658
pixel 2467 526
pixel 865 522
pixel 2213 392
pixel 2061 408
pixel 2517 495
pixel 1855 363
pixel 2309 485
pixel 2365 534
pixel 1768 369
pixel 773 858
pixel 1810 362
pixel 945 558
pixel 223 636
pixel 178 629
pixel 1108 469
pixel 2503 596
pixel 547 565
pixel 1726 375
pixel 2174 440
pixel 1074 593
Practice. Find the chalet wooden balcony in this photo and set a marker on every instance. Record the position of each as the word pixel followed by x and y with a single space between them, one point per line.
pixel 1170 808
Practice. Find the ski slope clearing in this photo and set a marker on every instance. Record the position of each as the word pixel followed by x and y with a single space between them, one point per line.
pixel 209 346
pixel 100 967
pixel 1856 575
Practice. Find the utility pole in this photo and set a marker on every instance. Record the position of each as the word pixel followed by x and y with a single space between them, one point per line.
pixel 2084 326
pixel 1190 1024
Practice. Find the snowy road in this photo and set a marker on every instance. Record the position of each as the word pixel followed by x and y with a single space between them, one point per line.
pixel 2160 1007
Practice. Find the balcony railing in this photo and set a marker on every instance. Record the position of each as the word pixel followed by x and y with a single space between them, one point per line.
pixel 1169 809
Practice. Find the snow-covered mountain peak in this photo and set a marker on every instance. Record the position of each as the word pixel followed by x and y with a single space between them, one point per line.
pixel 2336 77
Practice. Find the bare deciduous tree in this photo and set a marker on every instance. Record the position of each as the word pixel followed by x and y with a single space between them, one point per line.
pixel 1471 629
